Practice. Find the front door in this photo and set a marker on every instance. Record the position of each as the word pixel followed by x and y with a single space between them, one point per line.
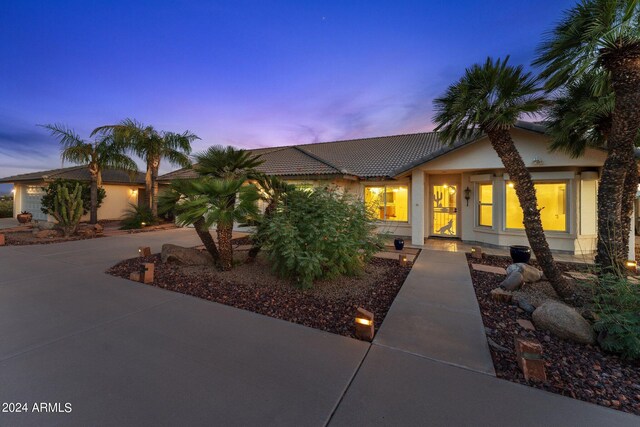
pixel 445 210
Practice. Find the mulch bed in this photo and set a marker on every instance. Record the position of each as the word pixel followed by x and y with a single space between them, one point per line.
pixel 579 371
pixel 330 305
pixel 24 238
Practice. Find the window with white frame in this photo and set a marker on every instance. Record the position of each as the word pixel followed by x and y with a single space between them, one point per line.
pixel 388 202
pixel 485 204
pixel 552 202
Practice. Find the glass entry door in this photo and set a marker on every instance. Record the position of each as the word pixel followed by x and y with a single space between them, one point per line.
pixel 445 210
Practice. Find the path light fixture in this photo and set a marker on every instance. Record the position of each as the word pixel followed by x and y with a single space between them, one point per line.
pixel 144 251
pixel 476 252
pixel 467 194
pixel 403 260
pixel 364 324
pixel 632 266
pixel 147 272
pixel 2 240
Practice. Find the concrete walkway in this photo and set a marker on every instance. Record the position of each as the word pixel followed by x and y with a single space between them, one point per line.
pixel 123 354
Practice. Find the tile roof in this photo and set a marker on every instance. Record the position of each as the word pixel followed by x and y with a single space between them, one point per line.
pixel 377 157
pixel 81 173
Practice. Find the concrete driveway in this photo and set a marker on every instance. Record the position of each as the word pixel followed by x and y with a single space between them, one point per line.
pixel 121 353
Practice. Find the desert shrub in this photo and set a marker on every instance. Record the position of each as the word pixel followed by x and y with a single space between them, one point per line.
pixel 319 234
pixel 85 190
pixel 67 208
pixel 6 207
pixel 137 217
pixel 617 305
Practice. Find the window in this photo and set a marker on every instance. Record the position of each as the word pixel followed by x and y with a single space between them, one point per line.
pixel 388 202
pixel 552 200
pixel 485 205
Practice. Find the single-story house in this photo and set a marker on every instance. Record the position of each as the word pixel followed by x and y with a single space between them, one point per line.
pixel 121 190
pixel 425 189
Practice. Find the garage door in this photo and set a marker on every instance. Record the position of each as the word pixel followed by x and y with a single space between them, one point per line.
pixel 31 201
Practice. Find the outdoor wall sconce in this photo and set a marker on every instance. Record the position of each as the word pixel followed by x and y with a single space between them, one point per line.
pixel 632 266
pixel 467 194
pixel 403 260
pixel 133 192
pixel 144 251
pixel 364 324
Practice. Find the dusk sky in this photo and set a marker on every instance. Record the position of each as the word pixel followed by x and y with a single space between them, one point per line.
pixel 244 73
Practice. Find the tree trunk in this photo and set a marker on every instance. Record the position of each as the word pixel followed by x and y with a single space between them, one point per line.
pixel 148 185
pixel 625 80
pixel 93 216
pixel 502 143
pixel 154 187
pixel 626 210
pixel 207 240
pixel 226 249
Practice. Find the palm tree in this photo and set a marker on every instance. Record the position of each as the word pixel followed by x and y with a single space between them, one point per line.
pixel 100 154
pixel 207 201
pixel 606 34
pixel 581 117
pixel 490 98
pixel 217 163
pixel 152 146
pixel 272 191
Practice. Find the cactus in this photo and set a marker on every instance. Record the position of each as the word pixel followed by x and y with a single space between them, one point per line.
pixel 68 208
pixel 438 199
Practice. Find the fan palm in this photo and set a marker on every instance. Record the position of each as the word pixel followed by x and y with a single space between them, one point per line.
pixel 206 201
pixel 103 153
pixel 152 146
pixel 229 162
pixel 606 34
pixel 489 98
pixel 581 117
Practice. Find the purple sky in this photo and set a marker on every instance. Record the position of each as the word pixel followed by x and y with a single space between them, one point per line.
pixel 244 73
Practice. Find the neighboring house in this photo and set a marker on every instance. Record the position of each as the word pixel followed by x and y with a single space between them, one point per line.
pixel 121 190
pixel 424 189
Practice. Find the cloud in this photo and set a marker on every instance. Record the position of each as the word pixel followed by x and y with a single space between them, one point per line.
pixel 25 146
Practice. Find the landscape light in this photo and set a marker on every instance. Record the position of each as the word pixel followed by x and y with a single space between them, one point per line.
pixel 364 324
pixel 403 260
pixel 476 252
pixel 144 251
pixel 632 266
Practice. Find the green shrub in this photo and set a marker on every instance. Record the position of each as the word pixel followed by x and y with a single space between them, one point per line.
pixel 135 216
pixel 85 188
pixel 319 234
pixel 617 305
pixel 6 207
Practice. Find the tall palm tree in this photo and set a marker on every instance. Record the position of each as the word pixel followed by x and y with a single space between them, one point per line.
pixel 489 99
pixel 606 34
pixel 580 117
pixel 206 201
pixel 100 154
pixel 152 146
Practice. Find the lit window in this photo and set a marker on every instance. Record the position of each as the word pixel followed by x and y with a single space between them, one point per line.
pixel 485 205
pixel 552 200
pixel 388 203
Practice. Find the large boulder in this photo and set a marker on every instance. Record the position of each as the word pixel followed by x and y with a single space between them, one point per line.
pixel 563 321
pixel 513 281
pixel 184 256
pixel 45 225
pixel 529 274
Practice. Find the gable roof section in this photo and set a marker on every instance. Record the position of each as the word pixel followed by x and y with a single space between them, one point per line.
pixel 365 158
pixel 80 173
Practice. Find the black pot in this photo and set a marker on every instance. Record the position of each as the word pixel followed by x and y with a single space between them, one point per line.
pixel 520 253
pixel 399 244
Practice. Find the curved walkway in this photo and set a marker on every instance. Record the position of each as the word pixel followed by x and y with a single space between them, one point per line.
pixel 123 353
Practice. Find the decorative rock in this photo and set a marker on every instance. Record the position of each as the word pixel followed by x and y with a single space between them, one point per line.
pixel 523 302
pixel 185 256
pixel 526 324
pixel 497 347
pixel 45 225
pixel 500 295
pixel 488 268
pixel 513 281
pixel 529 274
pixel 135 276
pixel 563 321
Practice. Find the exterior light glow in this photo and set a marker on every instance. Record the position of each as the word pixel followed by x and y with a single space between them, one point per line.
pixel 632 266
pixel 362 321
pixel 364 324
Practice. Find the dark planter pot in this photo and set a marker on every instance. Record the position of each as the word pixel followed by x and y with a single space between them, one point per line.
pixel 399 244
pixel 520 253
pixel 24 218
